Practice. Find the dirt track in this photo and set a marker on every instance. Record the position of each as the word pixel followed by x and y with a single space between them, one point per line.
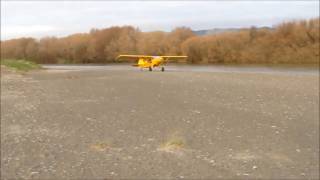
pixel 97 123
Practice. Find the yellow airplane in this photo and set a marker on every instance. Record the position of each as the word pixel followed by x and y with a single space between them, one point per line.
pixel 150 62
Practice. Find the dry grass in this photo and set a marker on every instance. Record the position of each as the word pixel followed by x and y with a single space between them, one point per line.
pixel 100 146
pixel 173 144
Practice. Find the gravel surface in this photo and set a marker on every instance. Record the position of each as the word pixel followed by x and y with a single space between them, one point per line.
pixel 96 123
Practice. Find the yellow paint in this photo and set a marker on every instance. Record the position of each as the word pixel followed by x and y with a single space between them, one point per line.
pixel 150 62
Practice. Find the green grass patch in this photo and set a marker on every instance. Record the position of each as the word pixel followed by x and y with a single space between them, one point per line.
pixel 20 65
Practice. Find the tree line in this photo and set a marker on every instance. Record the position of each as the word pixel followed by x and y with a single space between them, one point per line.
pixel 289 42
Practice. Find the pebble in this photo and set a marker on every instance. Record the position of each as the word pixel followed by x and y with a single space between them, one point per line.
pixel 196 111
pixel 34 173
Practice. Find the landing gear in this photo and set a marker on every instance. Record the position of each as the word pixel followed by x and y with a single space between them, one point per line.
pixel 162 69
pixel 150 68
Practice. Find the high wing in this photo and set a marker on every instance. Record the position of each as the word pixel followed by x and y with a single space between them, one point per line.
pixel 168 58
pixel 133 57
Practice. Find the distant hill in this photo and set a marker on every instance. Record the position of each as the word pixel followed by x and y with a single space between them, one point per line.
pixel 222 30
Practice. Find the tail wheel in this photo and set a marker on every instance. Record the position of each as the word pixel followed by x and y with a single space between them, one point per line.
pixel 150 68
pixel 162 69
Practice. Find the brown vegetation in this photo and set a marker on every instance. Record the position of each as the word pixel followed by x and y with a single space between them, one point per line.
pixel 290 42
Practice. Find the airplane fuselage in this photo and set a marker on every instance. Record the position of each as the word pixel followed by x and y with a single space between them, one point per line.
pixel 150 63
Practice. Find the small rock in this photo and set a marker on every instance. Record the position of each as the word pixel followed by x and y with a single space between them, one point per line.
pixel 254 167
pixel 196 111
pixel 34 173
pixel 298 150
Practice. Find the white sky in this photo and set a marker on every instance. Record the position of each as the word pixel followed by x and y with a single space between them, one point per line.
pixel 61 18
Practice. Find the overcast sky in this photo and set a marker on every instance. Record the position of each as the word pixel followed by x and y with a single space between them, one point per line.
pixel 61 18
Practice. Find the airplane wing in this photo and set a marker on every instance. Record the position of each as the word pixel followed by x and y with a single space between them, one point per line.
pixel 175 58
pixel 132 57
